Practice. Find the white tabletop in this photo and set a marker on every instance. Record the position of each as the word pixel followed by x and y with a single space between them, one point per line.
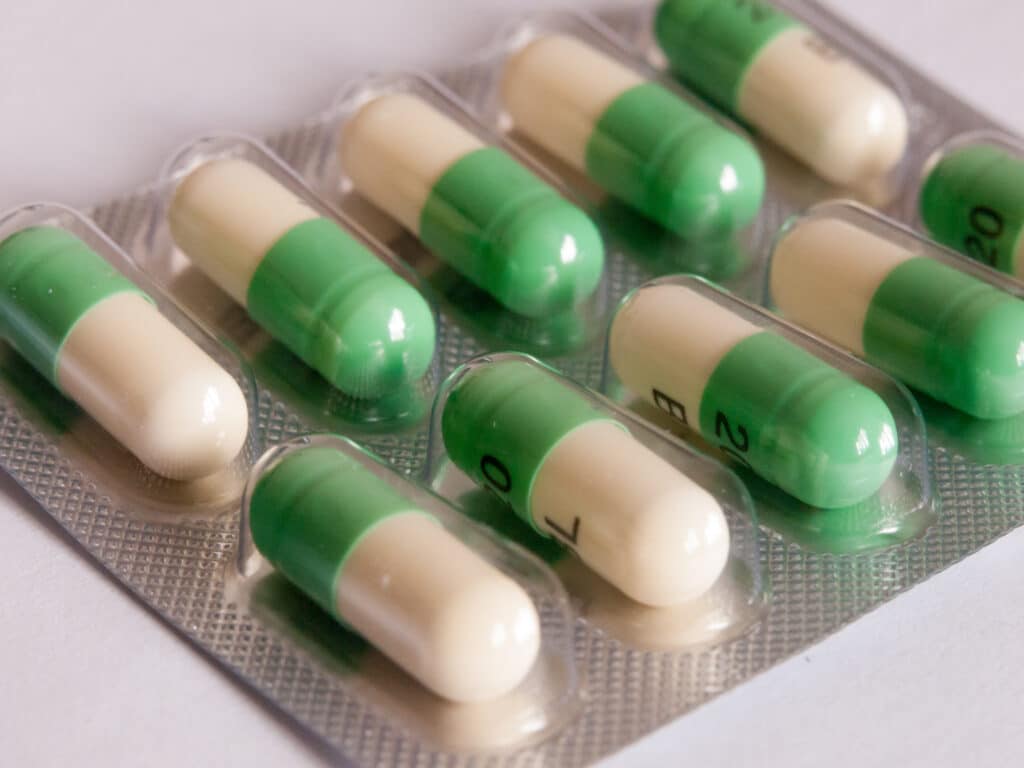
pixel 94 96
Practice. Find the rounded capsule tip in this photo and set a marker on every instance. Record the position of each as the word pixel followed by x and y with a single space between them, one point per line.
pixel 381 341
pixel 851 434
pixel 196 427
pixel 485 640
pixel 710 184
pixel 866 138
pixel 990 384
pixel 553 258
pixel 678 548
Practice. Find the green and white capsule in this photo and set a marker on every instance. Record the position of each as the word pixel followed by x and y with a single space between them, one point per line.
pixel 102 342
pixel 474 206
pixel 776 74
pixel 306 281
pixel 938 329
pixel 571 471
pixel 973 200
pixel 770 404
pixel 332 521
pixel 636 139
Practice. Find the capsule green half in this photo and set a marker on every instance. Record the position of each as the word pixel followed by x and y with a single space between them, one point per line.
pixel 675 164
pixel 973 200
pixel 950 335
pixel 798 422
pixel 711 43
pixel 512 235
pixel 49 279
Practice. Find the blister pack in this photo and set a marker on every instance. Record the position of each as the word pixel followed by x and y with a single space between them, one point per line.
pixel 500 415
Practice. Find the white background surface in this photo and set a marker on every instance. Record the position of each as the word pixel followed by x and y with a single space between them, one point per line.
pixel 95 95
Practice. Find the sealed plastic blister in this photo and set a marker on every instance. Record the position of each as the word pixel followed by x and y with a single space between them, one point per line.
pixel 832 450
pixel 509 251
pixel 672 182
pixel 657 545
pixel 481 631
pixel 358 261
pixel 331 322
pixel 941 323
pixel 116 380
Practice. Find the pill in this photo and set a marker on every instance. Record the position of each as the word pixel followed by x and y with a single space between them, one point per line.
pixel 973 200
pixel 373 559
pixel 102 342
pixel 776 74
pixel 305 280
pixel 639 141
pixel 474 206
pixel 938 329
pixel 573 472
pixel 770 404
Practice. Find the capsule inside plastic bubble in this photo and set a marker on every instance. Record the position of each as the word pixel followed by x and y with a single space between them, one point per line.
pixel 169 406
pixel 570 90
pixel 772 71
pixel 475 205
pixel 971 198
pixel 506 248
pixel 454 608
pixel 806 426
pixel 643 516
pixel 233 212
pixel 513 721
pixel 934 320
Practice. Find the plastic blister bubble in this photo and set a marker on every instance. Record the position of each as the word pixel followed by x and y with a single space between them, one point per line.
pixel 547 699
pixel 902 509
pixel 81 440
pixel 729 609
pixel 279 369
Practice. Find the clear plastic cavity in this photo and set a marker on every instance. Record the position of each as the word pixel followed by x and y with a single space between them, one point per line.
pixel 86 444
pixel 741 433
pixel 401 404
pixel 502 243
pixel 945 324
pixel 726 610
pixel 302 661
pixel 716 237
pixel 544 701
pixel 843 115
